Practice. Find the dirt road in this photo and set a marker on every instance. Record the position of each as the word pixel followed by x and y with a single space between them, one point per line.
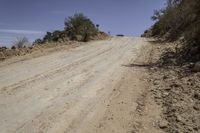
pixel 88 89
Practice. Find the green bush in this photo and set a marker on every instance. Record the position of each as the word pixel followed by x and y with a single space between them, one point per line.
pixel 79 27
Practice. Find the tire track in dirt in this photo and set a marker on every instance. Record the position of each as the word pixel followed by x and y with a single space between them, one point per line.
pixel 70 91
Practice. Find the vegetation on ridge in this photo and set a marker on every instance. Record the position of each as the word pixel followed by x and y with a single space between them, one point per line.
pixel 77 27
pixel 179 19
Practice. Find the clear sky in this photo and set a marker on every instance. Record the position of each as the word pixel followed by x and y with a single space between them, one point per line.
pixel 33 18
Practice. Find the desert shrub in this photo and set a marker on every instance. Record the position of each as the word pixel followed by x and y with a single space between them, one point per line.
pixel 48 37
pixel 13 47
pixel 80 27
pixel 38 41
pixel 77 27
pixel 3 47
pixel 21 42
pixel 55 36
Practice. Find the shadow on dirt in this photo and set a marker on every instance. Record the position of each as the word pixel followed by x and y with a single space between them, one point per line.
pixel 157 41
pixel 140 65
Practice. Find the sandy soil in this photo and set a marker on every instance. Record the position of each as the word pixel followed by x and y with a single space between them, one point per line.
pixel 94 88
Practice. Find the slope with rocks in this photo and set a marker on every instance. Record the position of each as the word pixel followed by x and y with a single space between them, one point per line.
pixel 176 88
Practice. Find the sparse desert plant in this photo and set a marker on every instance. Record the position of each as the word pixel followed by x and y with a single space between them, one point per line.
pixel 38 41
pixel 21 42
pixel 48 37
pixel 13 47
pixel 54 36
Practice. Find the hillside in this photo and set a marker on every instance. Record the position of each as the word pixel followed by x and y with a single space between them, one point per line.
pixel 175 81
pixel 179 21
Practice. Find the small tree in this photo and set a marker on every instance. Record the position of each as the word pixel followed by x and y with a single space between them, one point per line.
pixel 80 25
pixel 97 25
pixel 21 42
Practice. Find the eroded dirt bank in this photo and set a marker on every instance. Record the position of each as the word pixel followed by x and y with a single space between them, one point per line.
pixel 176 89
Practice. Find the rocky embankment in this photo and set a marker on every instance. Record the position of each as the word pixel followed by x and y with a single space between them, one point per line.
pixel 176 87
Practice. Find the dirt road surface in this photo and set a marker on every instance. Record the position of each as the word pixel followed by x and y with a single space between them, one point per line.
pixel 87 89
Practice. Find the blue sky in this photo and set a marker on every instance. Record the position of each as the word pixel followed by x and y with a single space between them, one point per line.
pixel 33 18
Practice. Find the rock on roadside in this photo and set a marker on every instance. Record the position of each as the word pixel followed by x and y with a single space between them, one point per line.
pixel 196 67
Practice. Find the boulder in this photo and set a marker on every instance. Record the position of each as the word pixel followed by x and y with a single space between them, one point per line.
pixel 163 124
pixel 79 37
pixel 196 67
pixel 194 50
